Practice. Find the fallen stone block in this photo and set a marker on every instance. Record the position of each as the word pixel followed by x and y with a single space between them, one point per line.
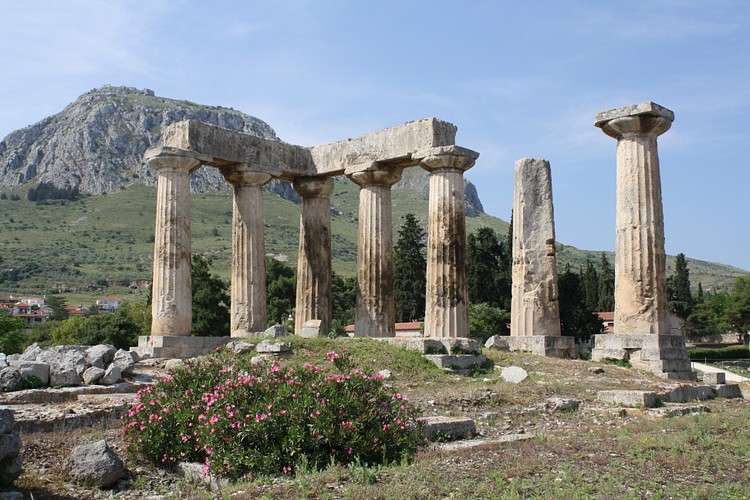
pixel 714 378
pixel 456 361
pixel 728 391
pixel 645 399
pixel 310 329
pixel 95 465
pixel 514 374
pixel 448 428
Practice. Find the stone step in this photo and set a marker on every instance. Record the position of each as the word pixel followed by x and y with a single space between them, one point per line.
pixel 448 428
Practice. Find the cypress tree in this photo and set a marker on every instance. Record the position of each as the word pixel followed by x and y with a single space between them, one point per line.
pixel 606 286
pixel 680 300
pixel 409 271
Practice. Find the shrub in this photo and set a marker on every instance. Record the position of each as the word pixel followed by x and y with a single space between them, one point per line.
pixel 486 320
pixel 242 420
pixel 730 352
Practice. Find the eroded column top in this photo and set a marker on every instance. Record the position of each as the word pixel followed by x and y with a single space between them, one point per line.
pixel 646 117
pixel 313 187
pixel 244 175
pixel 164 159
pixel 447 158
pixel 375 174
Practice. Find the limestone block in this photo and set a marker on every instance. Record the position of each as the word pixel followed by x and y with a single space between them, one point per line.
pixel 562 404
pixel 456 361
pixel 267 347
pixel 92 375
pixel 461 345
pixel 714 378
pixel 421 344
pixel 449 428
pixel 498 342
pixel 645 399
pixel 31 352
pixel 514 374
pixel 241 347
pixel 172 364
pixel 95 465
pixel 125 360
pixel 3 360
pixel 310 329
pixel 99 355
pixel 10 448
pixel 112 375
pixel 10 377
pixel 66 364
pixel 276 331
pixel 33 369
pixel 728 391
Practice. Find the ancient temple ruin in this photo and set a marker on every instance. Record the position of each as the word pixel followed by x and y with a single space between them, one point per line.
pixel 374 162
pixel 641 329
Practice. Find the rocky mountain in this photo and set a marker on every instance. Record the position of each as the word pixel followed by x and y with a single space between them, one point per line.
pixel 97 143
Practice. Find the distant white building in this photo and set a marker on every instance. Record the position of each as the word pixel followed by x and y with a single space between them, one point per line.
pixel 108 304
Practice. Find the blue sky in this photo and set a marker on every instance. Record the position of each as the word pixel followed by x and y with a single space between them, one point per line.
pixel 519 79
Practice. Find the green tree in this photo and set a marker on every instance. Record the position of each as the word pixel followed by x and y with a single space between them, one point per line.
pixel 708 316
pixel 344 299
pixel 210 300
pixel 486 320
pixel 606 286
pixel 738 306
pixel 57 304
pixel 11 333
pixel 486 261
pixel 576 319
pixel 280 291
pixel 409 271
pixel 680 301
pixel 590 284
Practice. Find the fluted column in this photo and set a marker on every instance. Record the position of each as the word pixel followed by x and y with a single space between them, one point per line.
pixel 375 313
pixel 171 294
pixel 640 261
pixel 248 289
pixel 314 296
pixel 447 293
pixel 535 308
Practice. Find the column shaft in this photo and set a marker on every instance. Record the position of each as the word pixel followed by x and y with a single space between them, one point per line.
pixel 375 312
pixel 172 308
pixel 314 296
pixel 447 293
pixel 248 288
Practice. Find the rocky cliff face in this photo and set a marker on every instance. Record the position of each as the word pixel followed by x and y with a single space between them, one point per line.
pixel 97 144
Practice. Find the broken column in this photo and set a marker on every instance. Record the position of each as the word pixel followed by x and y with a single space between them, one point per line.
pixel 248 284
pixel 314 296
pixel 375 310
pixel 172 306
pixel 641 324
pixel 447 294
pixel 535 309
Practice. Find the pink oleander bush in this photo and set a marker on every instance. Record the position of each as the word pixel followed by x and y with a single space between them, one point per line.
pixel 242 420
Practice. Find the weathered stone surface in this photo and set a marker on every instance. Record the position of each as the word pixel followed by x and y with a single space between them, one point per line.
pixel 36 369
pixel 714 378
pixel 248 282
pixel 93 375
pixel 10 448
pixel 193 472
pixel 448 428
pixel 646 399
pixel 375 308
pixel 276 331
pixel 100 355
pixel 171 364
pixel 112 375
pixel 562 404
pixel 550 346
pixel 513 374
pixel 447 294
pixel 456 361
pixel 3 360
pixel 498 342
pixel 461 345
pixel 95 465
pixel 535 309
pixel 311 328
pixel 239 347
pixel 66 364
pixel 31 352
pixel 177 346
pixel 267 347
pixel 10 377
pixel 125 360
pixel 314 296
pixel 172 311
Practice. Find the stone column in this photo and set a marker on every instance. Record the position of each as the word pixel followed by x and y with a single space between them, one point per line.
pixel 641 329
pixel 375 313
pixel 447 293
pixel 314 296
pixel 172 305
pixel 535 309
pixel 248 292
pixel 640 261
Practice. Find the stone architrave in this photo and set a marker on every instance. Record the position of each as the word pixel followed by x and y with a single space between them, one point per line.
pixel 447 293
pixel 641 326
pixel 314 296
pixel 172 307
pixel 375 310
pixel 248 287
pixel 535 309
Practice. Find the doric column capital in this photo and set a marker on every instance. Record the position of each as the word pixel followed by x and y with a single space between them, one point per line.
pixel 377 175
pixel 313 187
pixel 447 158
pixel 639 119
pixel 242 175
pixel 172 160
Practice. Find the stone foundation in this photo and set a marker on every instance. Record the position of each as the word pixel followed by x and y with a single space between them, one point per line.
pixel 425 345
pixel 181 347
pixel 664 355
pixel 544 345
